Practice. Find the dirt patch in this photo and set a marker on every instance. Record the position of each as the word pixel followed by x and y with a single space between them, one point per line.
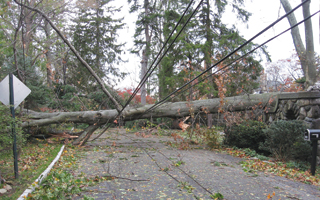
pixel 147 168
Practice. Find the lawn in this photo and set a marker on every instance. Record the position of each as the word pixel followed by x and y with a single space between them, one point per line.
pixel 34 158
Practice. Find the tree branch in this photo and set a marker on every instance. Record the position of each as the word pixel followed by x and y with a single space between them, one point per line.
pixel 117 105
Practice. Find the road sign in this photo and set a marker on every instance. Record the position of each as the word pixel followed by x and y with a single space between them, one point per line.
pixel 13 92
pixel 21 91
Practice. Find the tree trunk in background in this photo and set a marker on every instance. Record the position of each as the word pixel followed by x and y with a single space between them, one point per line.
pixel 306 55
pixel 50 64
pixel 145 54
pixel 312 73
pixel 28 19
pixel 144 66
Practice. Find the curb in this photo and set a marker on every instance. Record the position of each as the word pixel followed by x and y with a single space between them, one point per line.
pixel 44 174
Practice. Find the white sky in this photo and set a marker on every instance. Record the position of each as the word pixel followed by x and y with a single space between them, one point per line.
pixel 264 12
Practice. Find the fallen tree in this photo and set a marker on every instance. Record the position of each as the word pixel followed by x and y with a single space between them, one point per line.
pixel 95 119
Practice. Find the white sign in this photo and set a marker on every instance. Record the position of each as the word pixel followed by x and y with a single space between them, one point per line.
pixel 20 91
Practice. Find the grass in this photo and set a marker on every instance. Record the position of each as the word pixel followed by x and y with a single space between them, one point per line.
pixel 34 159
pixel 62 182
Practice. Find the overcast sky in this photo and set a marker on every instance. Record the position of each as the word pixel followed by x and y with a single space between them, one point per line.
pixel 264 12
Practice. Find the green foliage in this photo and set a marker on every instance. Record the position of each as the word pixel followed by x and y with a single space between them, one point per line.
pixel 284 140
pixel 6 124
pixel 95 37
pixel 248 134
pixel 304 166
pixel 253 153
pixel 213 138
pixel 40 94
pixel 58 185
pixel 301 80
pixel 64 98
pixel 186 186
pixel 217 196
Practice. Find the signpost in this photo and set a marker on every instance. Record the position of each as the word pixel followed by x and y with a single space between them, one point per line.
pixel 13 93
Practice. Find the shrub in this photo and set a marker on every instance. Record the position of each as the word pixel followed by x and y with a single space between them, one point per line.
pixel 248 134
pixel 6 139
pixel 213 137
pixel 284 140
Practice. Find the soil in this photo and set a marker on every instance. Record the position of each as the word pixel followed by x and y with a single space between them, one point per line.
pixel 148 168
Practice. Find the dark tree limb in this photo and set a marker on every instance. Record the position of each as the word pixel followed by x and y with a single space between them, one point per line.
pixel 115 102
pixel 83 138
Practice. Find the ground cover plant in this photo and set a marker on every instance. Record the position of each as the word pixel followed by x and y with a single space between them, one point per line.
pixel 294 170
pixel 34 158
pixel 61 183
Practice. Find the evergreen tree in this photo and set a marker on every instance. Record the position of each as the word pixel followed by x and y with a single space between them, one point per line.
pixel 95 37
pixel 147 35
pixel 205 40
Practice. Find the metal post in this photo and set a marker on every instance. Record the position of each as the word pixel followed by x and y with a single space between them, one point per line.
pixel 314 156
pixel 15 156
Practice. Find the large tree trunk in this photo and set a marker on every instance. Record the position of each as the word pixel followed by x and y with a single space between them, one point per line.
pixel 173 110
pixel 312 73
pixel 306 55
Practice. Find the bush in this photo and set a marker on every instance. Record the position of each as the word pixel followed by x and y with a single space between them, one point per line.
pixel 248 134
pixel 213 138
pixel 6 139
pixel 284 140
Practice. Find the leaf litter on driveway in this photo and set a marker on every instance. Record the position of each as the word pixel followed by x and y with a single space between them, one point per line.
pixel 145 168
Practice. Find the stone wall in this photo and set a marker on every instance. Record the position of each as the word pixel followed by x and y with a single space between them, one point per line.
pixel 297 106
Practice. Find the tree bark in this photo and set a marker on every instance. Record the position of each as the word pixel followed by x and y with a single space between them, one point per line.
pixel 174 110
pixel 306 58
pixel 312 74
pixel 83 138
pixel 49 56
pixel 145 54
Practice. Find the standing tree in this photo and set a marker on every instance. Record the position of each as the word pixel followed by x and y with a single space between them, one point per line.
pixel 145 34
pixel 205 40
pixel 305 52
pixel 95 37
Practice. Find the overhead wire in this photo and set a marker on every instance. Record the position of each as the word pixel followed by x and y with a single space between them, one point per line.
pixel 151 69
pixel 224 58
pixel 221 60
pixel 241 57
pixel 148 73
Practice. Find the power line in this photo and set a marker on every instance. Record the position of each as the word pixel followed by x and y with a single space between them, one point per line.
pixel 201 80
pixel 223 59
pixel 148 73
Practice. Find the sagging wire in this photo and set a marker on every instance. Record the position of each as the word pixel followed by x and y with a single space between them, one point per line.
pixel 201 80
pixel 224 58
pixel 151 69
